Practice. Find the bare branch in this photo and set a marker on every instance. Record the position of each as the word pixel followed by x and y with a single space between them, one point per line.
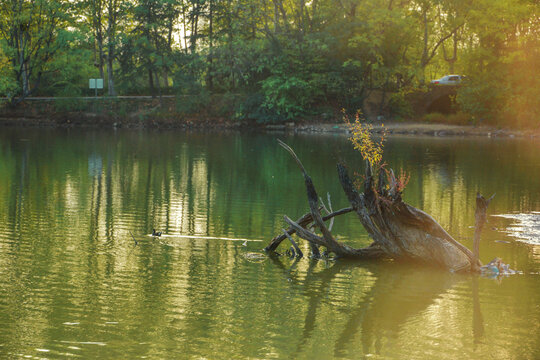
pixel 298 251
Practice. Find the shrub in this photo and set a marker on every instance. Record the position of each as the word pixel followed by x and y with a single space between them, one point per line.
pixel 482 97
pixel 399 106
pixel 190 104
pixel 362 140
pixel 64 104
pixel 251 109
pixel 288 97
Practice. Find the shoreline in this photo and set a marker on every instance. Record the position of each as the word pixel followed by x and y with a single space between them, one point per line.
pixel 413 129
pixel 150 113
pixel 416 129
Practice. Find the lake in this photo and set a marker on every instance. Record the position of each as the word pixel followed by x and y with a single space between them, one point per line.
pixel 80 275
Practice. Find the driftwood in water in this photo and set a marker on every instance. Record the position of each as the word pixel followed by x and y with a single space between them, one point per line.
pixel 398 230
pixel 480 216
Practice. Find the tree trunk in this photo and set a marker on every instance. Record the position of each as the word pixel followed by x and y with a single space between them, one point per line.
pixel 151 82
pixel 23 65
pixel 401 230
pixel 100 62
pixel 110 74
pixel 398 230
pixel 210 76
pixel 194 29
pixel 112 13
pixel 451 60
pixel 97 18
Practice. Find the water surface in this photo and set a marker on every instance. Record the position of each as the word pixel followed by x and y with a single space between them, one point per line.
pixel 73 283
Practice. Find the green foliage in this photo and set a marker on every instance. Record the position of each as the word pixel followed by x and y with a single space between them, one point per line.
pixel 74 105
pixel 68 72
pixel 31 34
pixel 252 109
pixel 283 60
pixel 502 88
pixel 399 106
pixel 288 97
pixel 192 96
pixel 8 83
pixel 483 97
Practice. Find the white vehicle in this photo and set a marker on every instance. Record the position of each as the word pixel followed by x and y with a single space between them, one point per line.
pixel 448 80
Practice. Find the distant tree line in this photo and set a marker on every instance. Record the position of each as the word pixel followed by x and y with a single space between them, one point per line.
pixel 283 59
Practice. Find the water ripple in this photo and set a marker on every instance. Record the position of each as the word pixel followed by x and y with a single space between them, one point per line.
pixel 526 227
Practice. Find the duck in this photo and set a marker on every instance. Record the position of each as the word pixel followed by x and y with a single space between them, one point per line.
pixel 156 233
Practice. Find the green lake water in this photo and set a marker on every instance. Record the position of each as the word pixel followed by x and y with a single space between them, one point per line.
pixel 74 284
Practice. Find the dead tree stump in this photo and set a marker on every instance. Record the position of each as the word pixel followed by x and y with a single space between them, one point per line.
pixel 398 230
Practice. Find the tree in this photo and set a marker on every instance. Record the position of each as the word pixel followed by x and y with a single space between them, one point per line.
pixel 502 53
pixel 8 83
pixel 152 38
pixel 283 59
pixel 115 9
pixel 29 31
pixel 94 14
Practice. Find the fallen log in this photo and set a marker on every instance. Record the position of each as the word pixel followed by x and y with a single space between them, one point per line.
pixel 398 230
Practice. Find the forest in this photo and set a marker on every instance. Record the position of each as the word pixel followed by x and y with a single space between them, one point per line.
pixel 278 60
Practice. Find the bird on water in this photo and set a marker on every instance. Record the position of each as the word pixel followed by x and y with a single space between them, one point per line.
pixel 156 233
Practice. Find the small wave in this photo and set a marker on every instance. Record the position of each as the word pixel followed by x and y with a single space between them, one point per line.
pixel 99 343
pixel 255 257
pixel 206 237
pixel 525 228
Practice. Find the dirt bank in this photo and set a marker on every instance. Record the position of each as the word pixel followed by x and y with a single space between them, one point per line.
pixel 411 129
pixel 146 112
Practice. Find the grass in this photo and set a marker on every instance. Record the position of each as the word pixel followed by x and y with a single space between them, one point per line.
pixel 458 118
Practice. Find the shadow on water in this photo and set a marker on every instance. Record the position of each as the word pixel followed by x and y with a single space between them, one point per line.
pixel 478 320
pixel 398 294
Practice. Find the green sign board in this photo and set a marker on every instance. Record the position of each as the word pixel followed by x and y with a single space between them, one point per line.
pixel 96 83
